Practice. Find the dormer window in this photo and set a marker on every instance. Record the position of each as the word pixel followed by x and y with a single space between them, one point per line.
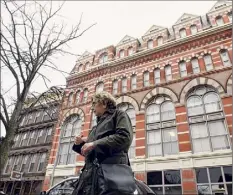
pixel 121 53
pixel 80 68
pixel 230 16
pixel 130 51
pixel 103 58
pixel 219 21
pixel 86 67
pixel 182 33
pixel 160 40
pixel 193 29
pixel 150 44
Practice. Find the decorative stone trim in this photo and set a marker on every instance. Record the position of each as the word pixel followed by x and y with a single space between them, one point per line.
pixel 130 100
pixel 200 81
pixel 157 91
pixel 229 85
pixel 71 112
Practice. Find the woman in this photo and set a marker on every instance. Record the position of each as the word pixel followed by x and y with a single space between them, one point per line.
pixel 108 143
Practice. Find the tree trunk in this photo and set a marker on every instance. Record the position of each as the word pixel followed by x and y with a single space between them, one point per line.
pixel 5 147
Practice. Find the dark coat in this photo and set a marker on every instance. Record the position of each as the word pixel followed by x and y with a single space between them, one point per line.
pixel 112 137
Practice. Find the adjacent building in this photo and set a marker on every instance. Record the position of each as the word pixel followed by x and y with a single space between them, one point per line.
pixel 176 86
pixel 25 169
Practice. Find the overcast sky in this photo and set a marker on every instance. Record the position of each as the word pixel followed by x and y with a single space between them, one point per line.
pixel 115 19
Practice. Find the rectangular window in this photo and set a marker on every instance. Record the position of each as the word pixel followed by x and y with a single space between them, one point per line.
pixel 24 164
pixel 41 136
pixel 42 160
pixel 146 79
pixel 157 75
pixel 195 66
pixel 46 115
pixel 182 33
pixel 165 182
pixel 212 179
pixel 49 134
pixel 85 95
pixel 183 69
pixel 225 58
pixel 33 138
pixel 32 163
pixel 208 62
pixel 63 154
pixel 24 139
pixel 115 87
pixel 9 164
pixel 133 82
pixel 17 163
pixel 124 85
pixel 168 72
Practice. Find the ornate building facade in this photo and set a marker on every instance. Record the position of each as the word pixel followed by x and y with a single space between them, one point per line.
pixel 25 169
pixel 176 86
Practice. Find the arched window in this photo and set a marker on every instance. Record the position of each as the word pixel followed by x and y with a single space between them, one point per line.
pixel 103 58
pixel 130 51
pixel 195 65
pixel 85 95
pixel 70 99
pixel 80 68
pixel 225 57
pixel 134 82
pixel 124 85
pixel 183 69
pixel 230 16
pixel 160 40
pixel 100 87
pixel 168 72
pixel 115 87
pixel 87 66
pixel 193 29
pixel 78 97
pixel 161 127
pixel 72 127
pixel 208 62
pixel 122 53
pixel 146 79
pixel 129 109
pixel 206 120
pixel 150 44
pixel 183 33
pixel 219 21
pixel 157 75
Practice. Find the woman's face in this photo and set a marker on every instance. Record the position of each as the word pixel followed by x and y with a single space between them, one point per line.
pixel 99 109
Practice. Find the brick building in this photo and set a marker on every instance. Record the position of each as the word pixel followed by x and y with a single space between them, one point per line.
pixel 176 85
pixel 25 168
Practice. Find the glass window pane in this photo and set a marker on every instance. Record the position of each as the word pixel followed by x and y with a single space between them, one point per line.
pixel 157 190
pixel 169 135
pixel 215 175
pixel 130 51
pixel 201 175
pixel 217 187
pixel 220 143
pixel 201 145
pixel 195 106
pixel 172 177
pixel 173 190
pixel 212 103
pixel 154 178
pixel 203 189
pixel 217 128
pixel 193 29
pixel 199 130
pixel 228 173
pixel 229 189
pixel 150 44
pixel 170 148
pixel 160 41
pixel 155 150
pixel 167 111
pixel 153 137
pixel 153 113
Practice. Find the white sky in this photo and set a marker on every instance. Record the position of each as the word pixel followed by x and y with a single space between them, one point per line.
pixel 115 19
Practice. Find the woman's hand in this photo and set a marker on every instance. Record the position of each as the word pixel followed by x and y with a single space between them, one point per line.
pixel 79 139
pixel 87 147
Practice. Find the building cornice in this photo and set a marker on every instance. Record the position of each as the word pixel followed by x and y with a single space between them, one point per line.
pixel 149 55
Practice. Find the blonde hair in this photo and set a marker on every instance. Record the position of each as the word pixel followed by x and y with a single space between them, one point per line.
pixel 104 98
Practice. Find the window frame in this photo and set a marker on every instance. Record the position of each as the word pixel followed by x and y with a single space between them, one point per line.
pixel 103 58
pixel 168 69
pixel 124 85
pixel 162 125
pixel 160 40
pixel 157 79
pixel 219 20
pixel 133 82
pixel 130 51
pixel 150 44
pixel 195 64
pixel 225 63
pixel 193 32
pixel 182 33
pixel 99 87
pixel 208 64
pixel 182 63
pixel 146 79
pixel 121 53
pixel 204 118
